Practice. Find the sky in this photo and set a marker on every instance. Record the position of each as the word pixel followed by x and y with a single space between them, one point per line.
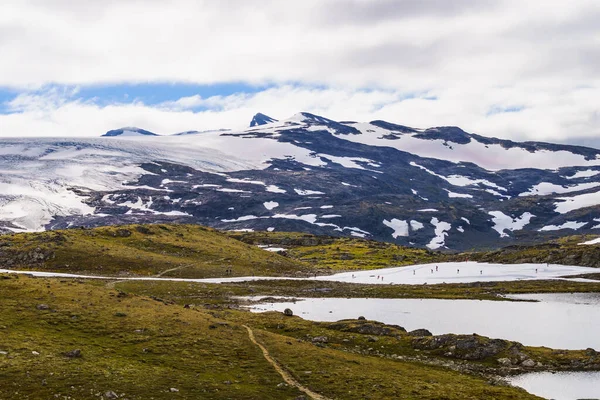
pixel 516 69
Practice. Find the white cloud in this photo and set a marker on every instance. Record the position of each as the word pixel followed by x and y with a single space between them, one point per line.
pixel 474 57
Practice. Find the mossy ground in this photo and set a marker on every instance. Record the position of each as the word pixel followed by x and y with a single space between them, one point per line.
pixel 340 254
pixel 183 251
pixel 140 347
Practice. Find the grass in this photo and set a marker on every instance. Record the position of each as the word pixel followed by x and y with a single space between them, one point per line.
pixel 224 294
pixel 183 251
pixel 140 348
pixel 565 250
pixel 336 254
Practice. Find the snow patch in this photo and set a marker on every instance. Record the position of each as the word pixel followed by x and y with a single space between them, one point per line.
pixel 269 205
pixel 441 229
pixel 504 222
pixel 567 225
pixel 400 227
pixel 307 192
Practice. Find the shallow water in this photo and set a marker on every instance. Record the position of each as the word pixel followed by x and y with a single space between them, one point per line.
pixel 564 321
pixel 560 386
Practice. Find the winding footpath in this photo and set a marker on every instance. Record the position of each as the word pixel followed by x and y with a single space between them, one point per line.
pixel 284 374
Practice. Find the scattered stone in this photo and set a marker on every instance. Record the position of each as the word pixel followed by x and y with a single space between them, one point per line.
pixel 288 312
pixel 320 339
pixel 529 363
pixel 42 307
pixel 111 395
pixel 282 385
pixel 372 339
pixel 361 318
pixel 73 353
pixel 420 333
pixel 174 390
pixel 35 353
pixel 505 362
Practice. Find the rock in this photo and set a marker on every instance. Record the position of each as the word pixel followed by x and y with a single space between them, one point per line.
pixel 35 353
pixel 282 385
pixel 73 353
pixel 361 318
pixel 173 390
pixel 420 333
pixel 367 328
pixel 320 339
pixel 590 352
pixel 111 395
pixel 372 339
pixel 529 363
pixel 462 346
pixel 42 307
pixel 505 362
pixel 288 312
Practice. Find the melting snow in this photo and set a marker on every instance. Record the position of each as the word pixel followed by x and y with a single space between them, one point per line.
pixel 307 192
pixel 504 222
pixel 545 188
pixel 400 227
pixel 269 205
pixel 459 195
pixel 416 225
pixel 274 189
pixel 441 229
pixel 583 174
pixel 593 241
pixel 576 202
pixel 567 225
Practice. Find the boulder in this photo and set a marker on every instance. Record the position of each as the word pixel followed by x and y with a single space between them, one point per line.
pixel 288 312
pixel 420 333
pixel 73 353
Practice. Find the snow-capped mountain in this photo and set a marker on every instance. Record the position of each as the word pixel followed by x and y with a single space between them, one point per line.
pixel 129 131
pixel 437 188
pixel 261 119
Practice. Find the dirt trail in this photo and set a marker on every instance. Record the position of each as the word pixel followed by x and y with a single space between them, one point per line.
pixel 284 374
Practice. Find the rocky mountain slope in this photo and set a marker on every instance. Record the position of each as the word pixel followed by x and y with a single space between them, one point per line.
pixel 438 188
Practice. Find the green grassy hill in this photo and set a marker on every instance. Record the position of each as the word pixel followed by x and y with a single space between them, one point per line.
pixel 340 253
pixel 135 347
pixel 566 251
pixel 185 251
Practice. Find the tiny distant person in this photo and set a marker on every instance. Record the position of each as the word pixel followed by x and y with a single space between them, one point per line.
pixel 436 268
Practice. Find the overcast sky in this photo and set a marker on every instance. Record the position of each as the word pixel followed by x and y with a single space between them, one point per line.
pixel 518 69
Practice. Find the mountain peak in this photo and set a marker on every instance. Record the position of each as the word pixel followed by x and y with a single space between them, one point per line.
pixel 261 119
pixel 129 131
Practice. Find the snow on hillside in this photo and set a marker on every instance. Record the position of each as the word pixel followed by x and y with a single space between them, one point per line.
pixel 37 175
pixel 488 156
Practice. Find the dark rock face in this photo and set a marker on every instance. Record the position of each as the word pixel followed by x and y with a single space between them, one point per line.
pixel 261 119
pixel 420 333
pixel 122 131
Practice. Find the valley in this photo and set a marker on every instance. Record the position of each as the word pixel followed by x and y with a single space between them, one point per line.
pixel 141 320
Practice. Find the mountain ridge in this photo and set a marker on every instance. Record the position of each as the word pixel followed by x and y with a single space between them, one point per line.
pixel 439 188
